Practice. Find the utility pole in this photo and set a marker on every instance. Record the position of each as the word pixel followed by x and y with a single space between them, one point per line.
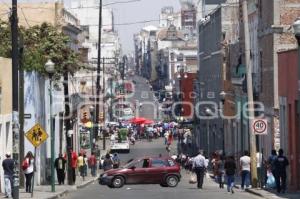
pixel 68 127
pixel 21 108
pixel 250 96
pixel 98 72
pixel 15 96
pixel 103 100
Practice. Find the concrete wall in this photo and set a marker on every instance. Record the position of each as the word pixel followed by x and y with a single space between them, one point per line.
pixel 5 112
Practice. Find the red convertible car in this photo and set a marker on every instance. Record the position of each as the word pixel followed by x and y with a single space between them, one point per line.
pixel 151 170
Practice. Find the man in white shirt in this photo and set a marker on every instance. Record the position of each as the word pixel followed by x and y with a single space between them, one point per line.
pixel 245 169
pixel 199 166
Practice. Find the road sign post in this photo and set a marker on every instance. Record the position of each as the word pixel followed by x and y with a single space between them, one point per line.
pixel 260 126
pixel 36 136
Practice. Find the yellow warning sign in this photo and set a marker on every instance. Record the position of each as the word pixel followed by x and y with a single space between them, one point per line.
pixel 36 135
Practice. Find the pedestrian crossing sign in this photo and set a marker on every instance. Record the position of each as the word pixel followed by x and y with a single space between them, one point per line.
pixel 36 135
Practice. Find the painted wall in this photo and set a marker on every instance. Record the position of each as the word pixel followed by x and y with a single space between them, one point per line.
pixel 288 88
pixel 5 112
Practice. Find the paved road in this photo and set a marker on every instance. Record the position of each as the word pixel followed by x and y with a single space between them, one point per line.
pixel 144 95
pixel 183 190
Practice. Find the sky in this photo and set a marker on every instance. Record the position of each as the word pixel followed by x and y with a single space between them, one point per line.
pixel 131 12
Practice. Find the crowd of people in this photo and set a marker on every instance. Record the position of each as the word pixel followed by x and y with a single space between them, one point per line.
pixel 226 168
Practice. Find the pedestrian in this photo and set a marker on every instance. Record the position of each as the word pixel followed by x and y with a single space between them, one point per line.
pixel 8 167
pixel 28 169
pixel 107 163
pixel 60 166
pixel 80 165
pixel 220 171
pixel 271 162
pixel 116 161
pixel 73 165
pixel 230 168
pixel 281 163
pixel 166 135
pixel 85 165
pixel 199 166
pixel 245 169
pixel 93 164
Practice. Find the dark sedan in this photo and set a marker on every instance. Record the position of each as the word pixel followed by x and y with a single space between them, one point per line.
pixel 151 170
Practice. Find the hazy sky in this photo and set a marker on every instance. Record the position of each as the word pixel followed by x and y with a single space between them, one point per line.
pixel 131 12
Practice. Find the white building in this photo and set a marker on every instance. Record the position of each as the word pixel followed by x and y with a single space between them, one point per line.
pixel 168 17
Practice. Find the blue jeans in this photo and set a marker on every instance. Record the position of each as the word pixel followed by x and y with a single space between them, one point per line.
pixel 93 170
pixel 245 178
pixel 230 182
pixel 8 185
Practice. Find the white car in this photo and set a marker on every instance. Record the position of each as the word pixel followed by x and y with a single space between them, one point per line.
pixel 120 146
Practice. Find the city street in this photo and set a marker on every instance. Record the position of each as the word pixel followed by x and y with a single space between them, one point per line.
pixel 144 95
pixel 220 77
pixel 183 190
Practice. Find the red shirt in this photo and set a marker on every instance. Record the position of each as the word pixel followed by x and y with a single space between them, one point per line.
pixel 74 160
pixel 92 160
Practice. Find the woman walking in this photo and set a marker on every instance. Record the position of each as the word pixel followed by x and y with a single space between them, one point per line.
pixel 28 168
pixel 108 163
pixel 230 168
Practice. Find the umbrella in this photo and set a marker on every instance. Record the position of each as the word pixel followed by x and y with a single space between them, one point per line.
pixel 137 120
pixel 148 122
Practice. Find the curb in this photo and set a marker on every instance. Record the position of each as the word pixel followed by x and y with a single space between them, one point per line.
pixel 66 192
pixel 86 183
pixel 59 195
pixel 254 193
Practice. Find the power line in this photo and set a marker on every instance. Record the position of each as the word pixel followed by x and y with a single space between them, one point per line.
pixel 26 20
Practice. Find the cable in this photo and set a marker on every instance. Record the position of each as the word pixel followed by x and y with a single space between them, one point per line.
pixel 96 7
pixel 155 20
pixel 26 20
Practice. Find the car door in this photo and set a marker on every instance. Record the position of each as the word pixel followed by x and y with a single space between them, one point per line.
pixel 157 170
pixel 137 173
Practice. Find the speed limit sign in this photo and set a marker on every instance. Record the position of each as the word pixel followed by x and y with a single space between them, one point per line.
pixel 260 126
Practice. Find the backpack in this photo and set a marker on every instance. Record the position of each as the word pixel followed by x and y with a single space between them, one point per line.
pixel 25 164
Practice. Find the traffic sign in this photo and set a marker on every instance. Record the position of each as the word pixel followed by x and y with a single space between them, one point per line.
pixel 260 126
pixel 36 135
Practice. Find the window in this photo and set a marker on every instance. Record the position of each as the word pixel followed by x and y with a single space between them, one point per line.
pixel 171 163
pixel 158 163
pixel 142 163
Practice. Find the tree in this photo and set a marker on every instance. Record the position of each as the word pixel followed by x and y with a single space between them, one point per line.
pixel 41 42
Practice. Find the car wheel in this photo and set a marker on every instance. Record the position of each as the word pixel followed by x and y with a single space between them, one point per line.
pixel 172 181
pixel 118 182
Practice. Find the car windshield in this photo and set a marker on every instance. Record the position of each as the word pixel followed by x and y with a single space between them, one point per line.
pixel 130 163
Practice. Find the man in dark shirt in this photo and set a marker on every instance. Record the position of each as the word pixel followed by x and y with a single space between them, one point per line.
pixel 60 165
pixel 280 164
pixel 8 167
pixel 230 168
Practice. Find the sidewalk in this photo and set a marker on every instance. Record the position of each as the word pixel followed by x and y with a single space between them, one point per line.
pixel 267 193
pixel 44 191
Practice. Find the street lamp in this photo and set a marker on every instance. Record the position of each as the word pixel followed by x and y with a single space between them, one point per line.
pixel 50 69
pixel 208 112
pixel 296 27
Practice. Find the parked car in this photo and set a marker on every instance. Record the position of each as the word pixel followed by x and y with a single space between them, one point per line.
pixel 151 170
